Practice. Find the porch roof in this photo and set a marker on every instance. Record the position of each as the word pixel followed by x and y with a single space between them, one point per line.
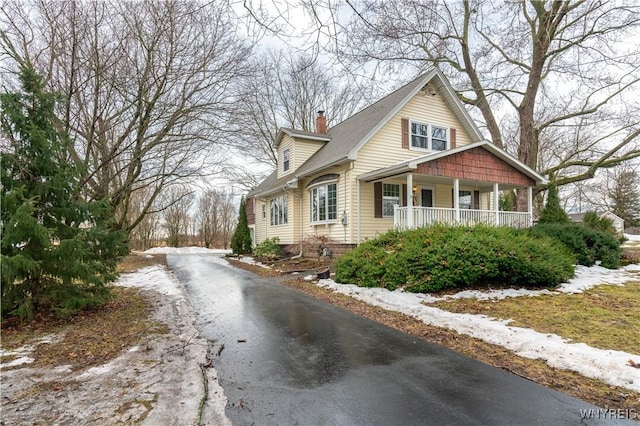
pixel 412 164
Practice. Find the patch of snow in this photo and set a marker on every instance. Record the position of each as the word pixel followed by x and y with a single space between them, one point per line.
pixel 589 277
pixel 17 361
pixel 148 256
pixel 585 279
pixel 309 277
pixel 154 277
pixel 251 261
pixel 23 351
pixel 607 365
pixel 632 237
pixel 494 294
pixel 185 250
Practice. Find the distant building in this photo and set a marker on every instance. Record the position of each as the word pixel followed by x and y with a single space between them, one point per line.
pixel 617 221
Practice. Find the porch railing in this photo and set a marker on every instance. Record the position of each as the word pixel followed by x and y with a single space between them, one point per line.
pixel 424 216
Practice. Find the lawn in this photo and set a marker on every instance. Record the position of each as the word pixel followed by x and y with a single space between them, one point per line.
pixel 605 317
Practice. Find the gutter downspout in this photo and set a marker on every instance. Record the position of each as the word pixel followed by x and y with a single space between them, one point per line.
pixel 358 211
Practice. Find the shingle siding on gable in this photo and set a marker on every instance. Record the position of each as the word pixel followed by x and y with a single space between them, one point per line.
pixel 475 164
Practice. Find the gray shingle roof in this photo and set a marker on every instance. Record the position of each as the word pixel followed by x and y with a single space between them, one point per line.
pixel 347 135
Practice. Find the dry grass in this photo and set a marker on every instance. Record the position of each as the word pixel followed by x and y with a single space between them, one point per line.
pixel 90 337
pixel 136 261
pixel 605 317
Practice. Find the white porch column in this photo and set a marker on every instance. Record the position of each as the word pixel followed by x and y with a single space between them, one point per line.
pixel 410 201
pixel 456 200
pixel 496 202
pixel 530 204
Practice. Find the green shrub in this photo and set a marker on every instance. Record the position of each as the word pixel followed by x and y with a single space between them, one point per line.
pixel 268 249
pixel 440 257
pixel 587 244
pixel 553 212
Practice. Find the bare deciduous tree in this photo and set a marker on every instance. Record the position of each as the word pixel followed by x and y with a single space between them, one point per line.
pixel 288 90
pixel 553 77
pixel 149 87
pixel 207 217
pixel 176 218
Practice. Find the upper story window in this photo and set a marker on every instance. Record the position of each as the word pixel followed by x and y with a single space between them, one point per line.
pixel 390 197
pixel 324 203
pixel 429 137
pixel 285 160
pixel 279 210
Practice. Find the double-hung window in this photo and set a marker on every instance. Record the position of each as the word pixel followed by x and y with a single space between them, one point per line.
pixel 285 160
pixel 324 203
pixel 279 207
pixel 429 137
pixel 465 199
pixel 390 197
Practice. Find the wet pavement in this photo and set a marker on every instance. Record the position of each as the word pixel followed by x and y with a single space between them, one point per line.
pixel 285 358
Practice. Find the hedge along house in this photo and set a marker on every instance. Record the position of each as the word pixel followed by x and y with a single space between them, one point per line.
pixel 413 158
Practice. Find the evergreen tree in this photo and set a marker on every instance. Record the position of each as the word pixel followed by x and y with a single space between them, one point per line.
pixel 553 212
pixel 57 250
pixel 241 240
pixel 625 197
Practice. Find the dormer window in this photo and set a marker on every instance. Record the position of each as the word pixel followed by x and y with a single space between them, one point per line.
pixel 429 137
pixel 285 160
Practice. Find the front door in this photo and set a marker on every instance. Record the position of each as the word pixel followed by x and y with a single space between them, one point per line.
pixel 426 196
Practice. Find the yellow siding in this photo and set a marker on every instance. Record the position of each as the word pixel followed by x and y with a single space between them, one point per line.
pixel 299 151
pixel 335 230
pixel 304 149
pixel 444 196
pixel 260 226
pixel 385 149
pixel 263 229
pixel 286 143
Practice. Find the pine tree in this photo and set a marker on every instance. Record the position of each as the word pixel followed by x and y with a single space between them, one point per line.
pixel 241 240
pixel 625 197
pixel 57 250
pixel 553 212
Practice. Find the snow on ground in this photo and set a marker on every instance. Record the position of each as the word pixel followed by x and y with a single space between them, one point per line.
pixel 159 279
pixel 153 277
pixel 584 279
pixel 159 381
pixel 632 237
pixel 185 250
pixel 607 365
pixel 251 261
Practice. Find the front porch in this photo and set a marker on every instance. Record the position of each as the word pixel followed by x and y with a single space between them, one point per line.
pixel 425 216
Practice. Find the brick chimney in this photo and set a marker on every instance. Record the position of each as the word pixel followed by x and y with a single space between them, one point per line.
pixel 321 123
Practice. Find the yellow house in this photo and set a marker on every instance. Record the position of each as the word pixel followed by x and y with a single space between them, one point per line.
pixel 413 158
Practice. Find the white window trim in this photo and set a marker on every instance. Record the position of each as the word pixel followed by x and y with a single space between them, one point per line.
pixel 286 209
pixel 471 191
pixel 288 152
pixel 310 192
pixel 429 136
pixel 383 197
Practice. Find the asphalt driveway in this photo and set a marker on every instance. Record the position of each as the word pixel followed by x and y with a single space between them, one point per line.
pixel 285 358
